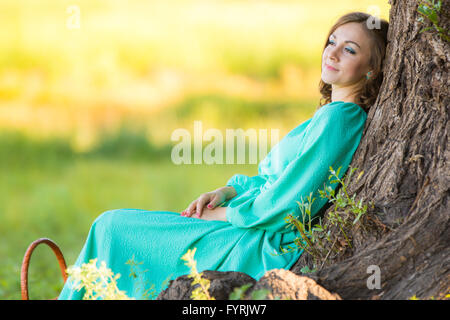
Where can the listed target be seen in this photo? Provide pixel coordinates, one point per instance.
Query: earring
(368, 75)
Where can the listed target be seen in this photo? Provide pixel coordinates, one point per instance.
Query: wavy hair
(368, 93)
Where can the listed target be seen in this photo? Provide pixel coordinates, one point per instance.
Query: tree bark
(404, 153)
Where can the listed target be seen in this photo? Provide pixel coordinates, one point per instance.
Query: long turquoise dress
(255, 228)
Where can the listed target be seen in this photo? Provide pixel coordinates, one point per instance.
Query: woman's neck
(345, 94)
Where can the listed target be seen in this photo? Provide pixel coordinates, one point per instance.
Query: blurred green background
(91, 91)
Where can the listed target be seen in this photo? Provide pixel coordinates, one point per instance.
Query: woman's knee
(106, 220)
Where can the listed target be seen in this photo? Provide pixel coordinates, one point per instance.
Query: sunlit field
(92, 91)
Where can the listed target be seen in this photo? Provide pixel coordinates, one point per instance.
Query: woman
(243, 233)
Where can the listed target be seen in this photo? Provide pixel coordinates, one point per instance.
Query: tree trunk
(404, 154)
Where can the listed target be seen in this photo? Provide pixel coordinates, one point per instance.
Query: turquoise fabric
(296, 166)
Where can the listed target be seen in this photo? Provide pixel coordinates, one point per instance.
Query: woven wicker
(26, 263)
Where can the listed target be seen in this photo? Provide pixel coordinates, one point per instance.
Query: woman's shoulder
(341, 110)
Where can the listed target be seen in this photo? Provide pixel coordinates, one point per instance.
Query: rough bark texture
(404, 153)
(286, 285)
(221, 285)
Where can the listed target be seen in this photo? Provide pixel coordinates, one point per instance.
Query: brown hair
(368, 93)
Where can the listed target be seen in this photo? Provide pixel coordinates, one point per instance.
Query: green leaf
(260, 294)
(238, 292)
(306, 269)
(338, 170)
(318, 227)
(427, 28)
(439, 29)
(423, 9)
(362, 172)
(433, 17)
(357, 218)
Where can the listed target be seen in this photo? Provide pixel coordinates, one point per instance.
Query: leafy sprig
(429, 10)
(98, 282)
(318, 239)
(201, 292)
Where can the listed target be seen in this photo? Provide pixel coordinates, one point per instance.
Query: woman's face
(348, 52)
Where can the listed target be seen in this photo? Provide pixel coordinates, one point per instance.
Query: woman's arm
(331, 140)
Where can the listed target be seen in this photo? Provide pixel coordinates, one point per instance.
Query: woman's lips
(330, 68)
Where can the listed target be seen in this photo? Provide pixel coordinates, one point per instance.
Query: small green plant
(306, 269)
(429, 10)
(343, 203)
(99, 283)
(308, 233)
(239, 293)
(201, 292)
(319, 239)
(136, 273)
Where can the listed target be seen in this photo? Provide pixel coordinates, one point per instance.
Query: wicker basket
(26, 263)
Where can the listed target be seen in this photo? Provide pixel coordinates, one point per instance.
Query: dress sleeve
(242, 183)
(331, 140)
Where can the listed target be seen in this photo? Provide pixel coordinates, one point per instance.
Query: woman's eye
(350, 50)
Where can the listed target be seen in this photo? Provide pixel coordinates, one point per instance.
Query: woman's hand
(218, 214)
(213, 200)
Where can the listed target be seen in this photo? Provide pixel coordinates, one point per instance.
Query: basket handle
(26, 263)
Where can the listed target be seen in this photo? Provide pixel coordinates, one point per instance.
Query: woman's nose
(333, 54)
